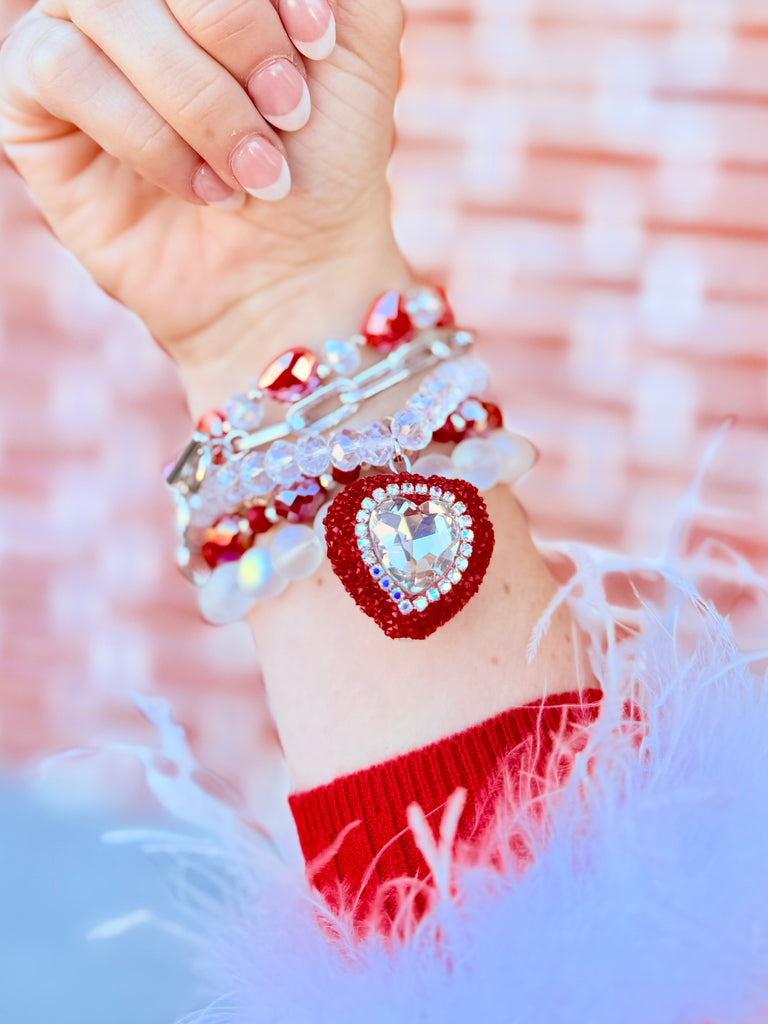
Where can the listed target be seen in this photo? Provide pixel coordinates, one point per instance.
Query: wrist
(326, 298)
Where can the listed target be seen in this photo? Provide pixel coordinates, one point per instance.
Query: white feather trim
(635, 892)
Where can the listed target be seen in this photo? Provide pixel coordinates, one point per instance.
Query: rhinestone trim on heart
(407, 549)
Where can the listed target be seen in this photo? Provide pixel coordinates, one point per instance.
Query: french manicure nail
(311, 26)
(209, 187)
(281, 95)
(261, 169)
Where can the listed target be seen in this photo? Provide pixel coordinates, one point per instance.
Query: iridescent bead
(410, 431)
(312, 454)
(478, 462)
(434, 465)
(427, 409)
(256, 479)
(280, 462)
(377, 445)
(427, 306)
(343, 356)
(344, 448)
(516, 454)
(257, 576)
(221, 598)
(291, 376)
(296, 552)
(244, 412)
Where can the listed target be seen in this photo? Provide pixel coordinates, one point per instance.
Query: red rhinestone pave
(347, 561)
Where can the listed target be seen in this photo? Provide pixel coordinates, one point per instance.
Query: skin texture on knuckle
(216, 21)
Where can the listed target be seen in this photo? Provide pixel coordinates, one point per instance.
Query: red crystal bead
(213, 423)
(452, 431)
(300, 502)
(491, 419)
(387, 324)
(232, 535)
(447, 319)
(342, 476)
(292, 376)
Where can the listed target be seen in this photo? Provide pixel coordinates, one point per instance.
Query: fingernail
(209, 187)
(281, 95)
(311, 26)
(261, 169)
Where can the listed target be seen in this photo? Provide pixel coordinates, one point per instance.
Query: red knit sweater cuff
(371, 804)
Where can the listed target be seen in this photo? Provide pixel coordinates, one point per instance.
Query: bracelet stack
(252, 496)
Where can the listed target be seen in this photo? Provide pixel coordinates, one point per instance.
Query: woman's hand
(132, 119)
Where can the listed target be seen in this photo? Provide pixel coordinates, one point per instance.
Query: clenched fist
(217, 165)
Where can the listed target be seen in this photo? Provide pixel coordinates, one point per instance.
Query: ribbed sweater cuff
(377, 797)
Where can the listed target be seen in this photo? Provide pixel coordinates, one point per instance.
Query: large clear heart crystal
(416, 541)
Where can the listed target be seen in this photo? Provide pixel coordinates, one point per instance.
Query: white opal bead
(221, 598)
(256, 479)
(257, 576)
(478, 462)
(312, 454)
(343, 356)
(377, 445)
(296, 552)
(344, 447)
(280, 462)
(410, 431)
(434, 465)
(516, 454)
(319, 523)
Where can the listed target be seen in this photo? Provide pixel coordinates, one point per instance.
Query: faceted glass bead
(376, 444)
(427, 306)
(244, 413)
(478, 462)
(416, 542)
(221, 599)
(345, 476)
(452, 431)
(232, 535)
(482, 417)
(343, 356)
(293, 375)
(280, 462)
(312, 454)
(427, 409)
(387, 324)
(410, 431)
(256, 479)
(296, 552)
(300, 501)
(214, 424)
(344, 447)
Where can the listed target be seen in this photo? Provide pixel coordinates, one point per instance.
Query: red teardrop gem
(293, 375)
(387, 324)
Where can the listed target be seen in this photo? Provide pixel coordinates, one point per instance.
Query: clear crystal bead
(312, 454)
(426, 408)
(256, 479)
(410, 431)
(281, 464)
(416, 542)
(244, 412)
(342, 355)
(425, 306)
(344, 448)
(377, 445)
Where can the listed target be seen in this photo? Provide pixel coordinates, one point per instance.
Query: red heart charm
(410, 550)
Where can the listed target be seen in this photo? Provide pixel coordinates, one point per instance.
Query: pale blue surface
(57, 881)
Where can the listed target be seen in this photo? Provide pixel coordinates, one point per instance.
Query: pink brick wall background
(590, 180)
